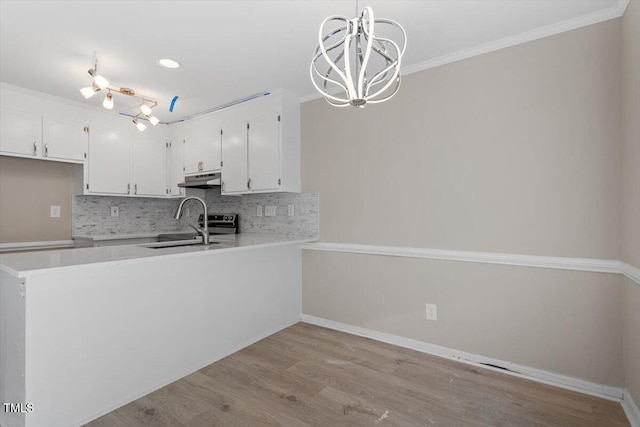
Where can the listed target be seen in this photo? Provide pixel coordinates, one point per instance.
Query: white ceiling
(231, 49)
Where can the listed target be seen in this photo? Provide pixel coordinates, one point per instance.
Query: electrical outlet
(187, 212)
(291, 210)
(259, 210)
(269, 211)
(54, 212)
(115, 211)
(432, 312)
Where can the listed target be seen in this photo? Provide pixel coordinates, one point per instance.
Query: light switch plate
(432, 312)
(115, 211)
(259, 210)
(291, 210)
(54, 212)
(269, 211)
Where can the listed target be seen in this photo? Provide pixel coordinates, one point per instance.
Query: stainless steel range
(218, 224)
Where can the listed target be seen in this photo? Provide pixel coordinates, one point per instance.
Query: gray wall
(27, 190)
(514, 151)
(631, 190)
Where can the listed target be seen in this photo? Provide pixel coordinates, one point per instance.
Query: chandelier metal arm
(351, 80)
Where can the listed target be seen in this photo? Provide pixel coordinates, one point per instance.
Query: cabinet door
(234, 158)
(264, 152)
(20, 132)
(109, 161)
(202, 146)
(175, 168)
(64, 139)
(149, 165)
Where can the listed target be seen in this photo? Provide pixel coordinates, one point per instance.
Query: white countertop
(101, 237)
(30, 263)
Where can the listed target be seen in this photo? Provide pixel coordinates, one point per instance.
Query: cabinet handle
(200, 165)
(46, 150)
(249, 183)
(128, 188)
(222, 185)
(135, 188)
(35, 148)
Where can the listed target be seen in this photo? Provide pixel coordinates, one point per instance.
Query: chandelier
(354, 65)
(99, 83)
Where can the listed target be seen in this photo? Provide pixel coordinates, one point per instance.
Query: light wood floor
(311, 376)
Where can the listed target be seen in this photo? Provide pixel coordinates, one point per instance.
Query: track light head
(153, 119)
(100, 81)
(108, 101)
(146, 110)
(141, 127)
(89, 91)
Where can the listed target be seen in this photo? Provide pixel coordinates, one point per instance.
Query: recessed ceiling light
(168, 63)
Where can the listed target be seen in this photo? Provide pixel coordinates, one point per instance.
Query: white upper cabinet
(64, 138)
(20, 133)
(234, 152)
(264, 157)
(126, 162)
(201, 138)
(41, 128)
(149, 163)
(264, 153)
(175, 168)
(109, 168)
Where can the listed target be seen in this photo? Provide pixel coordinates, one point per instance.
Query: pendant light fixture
(100, 83)
(355, 65)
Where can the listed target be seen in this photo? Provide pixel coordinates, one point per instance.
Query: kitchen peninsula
(85, 335)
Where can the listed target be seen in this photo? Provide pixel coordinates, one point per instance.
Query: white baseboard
(631, 409)
(539, 375)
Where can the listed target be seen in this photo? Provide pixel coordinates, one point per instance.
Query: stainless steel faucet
(204, 231)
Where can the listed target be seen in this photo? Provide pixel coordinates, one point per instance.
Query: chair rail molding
(563, 263)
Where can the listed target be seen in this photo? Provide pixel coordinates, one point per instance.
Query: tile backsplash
(304, 222)
(91, 215)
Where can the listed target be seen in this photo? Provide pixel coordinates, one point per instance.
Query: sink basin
(172, 237)
(164, 245)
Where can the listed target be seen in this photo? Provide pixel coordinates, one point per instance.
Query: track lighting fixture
(100, 83)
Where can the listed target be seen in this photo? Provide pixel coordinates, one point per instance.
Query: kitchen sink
(179, 243)
(172, 237)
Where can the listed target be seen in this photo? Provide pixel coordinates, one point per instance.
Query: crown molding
(612, 12)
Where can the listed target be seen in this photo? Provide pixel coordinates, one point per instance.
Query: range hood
(208, 180)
